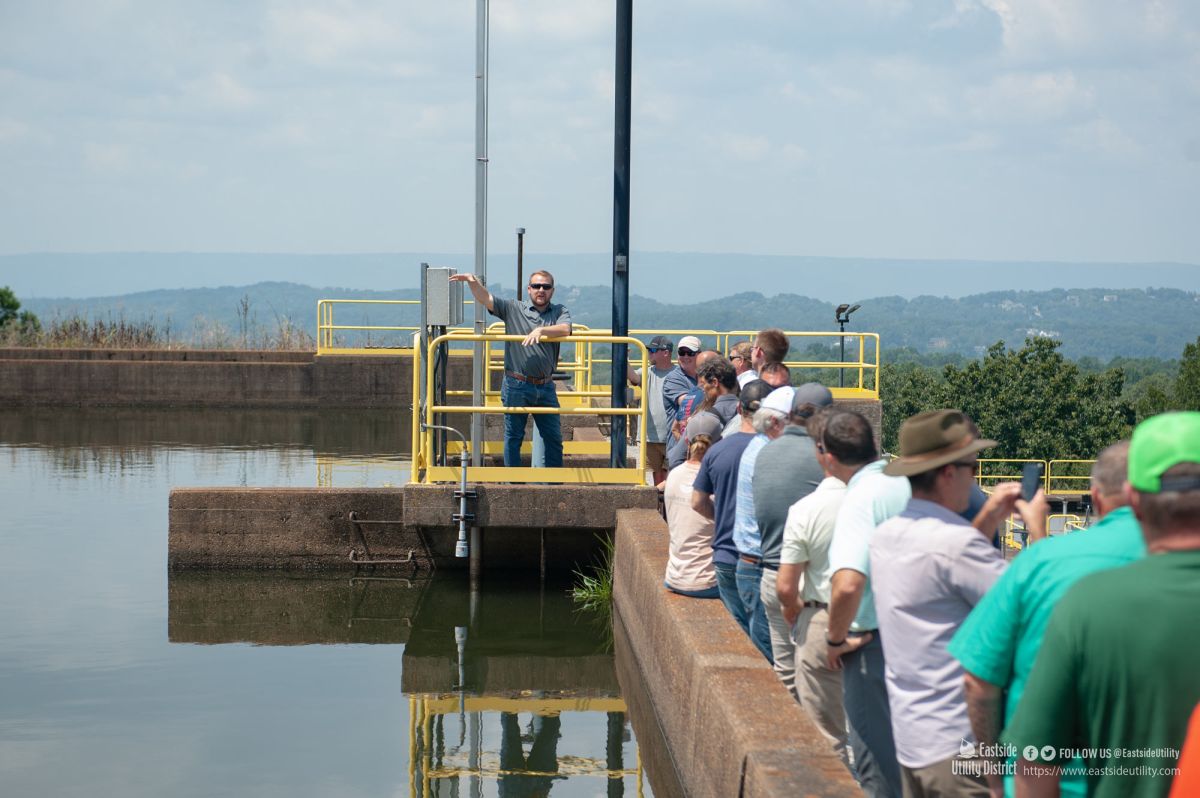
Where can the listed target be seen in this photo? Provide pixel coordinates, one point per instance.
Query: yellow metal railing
(329, 343)
(1003, 470)
(453, 764)
(426, 471)
(1063, 476)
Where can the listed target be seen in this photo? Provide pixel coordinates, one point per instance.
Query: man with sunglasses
(658, 428)
(528, 366)
(681, 381)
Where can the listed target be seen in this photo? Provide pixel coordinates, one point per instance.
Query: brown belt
(530, 380)
(750, 559)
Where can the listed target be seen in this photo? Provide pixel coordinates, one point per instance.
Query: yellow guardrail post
(416, 412)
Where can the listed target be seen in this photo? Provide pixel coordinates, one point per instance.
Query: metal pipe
(461, 548)
(479, 373)
(621, 158)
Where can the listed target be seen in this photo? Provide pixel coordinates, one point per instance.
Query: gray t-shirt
(786, 471)
(520, 318)
(657, 425)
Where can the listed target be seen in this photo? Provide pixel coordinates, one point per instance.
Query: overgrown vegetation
(594, 583)
(117, 332)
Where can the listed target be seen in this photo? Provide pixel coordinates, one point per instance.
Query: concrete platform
(310, 528)
(730, 726)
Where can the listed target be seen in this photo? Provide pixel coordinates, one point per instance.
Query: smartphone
(1031, 480)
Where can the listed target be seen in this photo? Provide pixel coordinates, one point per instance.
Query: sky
(1030, 130)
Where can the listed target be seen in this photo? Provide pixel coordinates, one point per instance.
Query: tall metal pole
(479, 375)
(520, 260)
(621, 140)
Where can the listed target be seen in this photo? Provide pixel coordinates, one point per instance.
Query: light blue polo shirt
(746, 536)
(872, 497)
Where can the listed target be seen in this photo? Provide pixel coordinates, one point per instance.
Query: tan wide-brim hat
(932, 440)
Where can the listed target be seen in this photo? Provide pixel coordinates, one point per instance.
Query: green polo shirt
(1000, 638)
(1117, 674)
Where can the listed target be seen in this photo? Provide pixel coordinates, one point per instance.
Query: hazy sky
(988, 129)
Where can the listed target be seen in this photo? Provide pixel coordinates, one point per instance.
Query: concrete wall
(308, 528)
(729, 725)
(203, 378)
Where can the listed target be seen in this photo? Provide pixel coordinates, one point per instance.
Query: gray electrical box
(443, 299)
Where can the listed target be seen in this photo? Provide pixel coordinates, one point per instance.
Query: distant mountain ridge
(1097, 322)
(675, 277)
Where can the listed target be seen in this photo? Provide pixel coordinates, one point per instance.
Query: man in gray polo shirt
(785, 471)
(528, 366)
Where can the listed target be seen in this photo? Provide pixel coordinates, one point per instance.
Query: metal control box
(443, 299)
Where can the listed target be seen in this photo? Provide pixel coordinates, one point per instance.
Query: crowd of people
(879, 592)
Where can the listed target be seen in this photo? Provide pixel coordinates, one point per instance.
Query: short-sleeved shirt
(690, 560)
(718, 477)
(1000, 638)
(807, 534)
(1117, 673)
(929, 568)
(872, 497)
(521, 318)
(745, 527)
(786, 471)
(675, 384)
(657, 425)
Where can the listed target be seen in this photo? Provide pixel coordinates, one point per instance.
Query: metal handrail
(423, 469)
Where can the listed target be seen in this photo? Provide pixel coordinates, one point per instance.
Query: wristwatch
(834, 643)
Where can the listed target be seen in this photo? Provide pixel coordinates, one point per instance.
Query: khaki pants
(819, 687)
(940, 781)
(782, 648)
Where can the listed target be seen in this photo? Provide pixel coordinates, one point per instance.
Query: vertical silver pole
(481, 163)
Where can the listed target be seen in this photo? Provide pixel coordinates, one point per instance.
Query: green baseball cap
(1158, 444)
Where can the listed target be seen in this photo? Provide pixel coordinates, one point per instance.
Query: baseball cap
(753, 394)
(704, 423)
(1158, 444)
(780, 400)
(812, 393)
(660, 342)
(690, 342)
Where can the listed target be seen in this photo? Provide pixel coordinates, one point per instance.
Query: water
(117, 678)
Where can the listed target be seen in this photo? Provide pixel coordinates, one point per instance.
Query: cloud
(1022, 97)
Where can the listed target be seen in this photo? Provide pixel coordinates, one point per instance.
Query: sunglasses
(686, 353)
(542, 286)
(653, 349)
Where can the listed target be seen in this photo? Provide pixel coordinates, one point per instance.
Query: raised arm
(478, 290)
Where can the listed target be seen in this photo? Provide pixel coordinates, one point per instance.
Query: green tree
(906, 389)
(1036, 404)
(9, 305)
(1187, 384)
(24, 324)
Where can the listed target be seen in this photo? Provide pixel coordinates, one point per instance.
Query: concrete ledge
(280, 527)
(523, 526)
(730, 726)
(551, 506)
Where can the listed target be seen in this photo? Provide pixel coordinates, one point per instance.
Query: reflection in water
(120, 678)
(512, 690)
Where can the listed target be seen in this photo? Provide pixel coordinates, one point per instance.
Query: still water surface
(117, 678)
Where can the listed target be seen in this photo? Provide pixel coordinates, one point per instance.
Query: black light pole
(520, 259)
(842, 314)
(620, 314)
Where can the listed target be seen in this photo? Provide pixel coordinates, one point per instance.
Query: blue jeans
(749, 587)
(514, 393)
(869, 717)
(727, 585)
